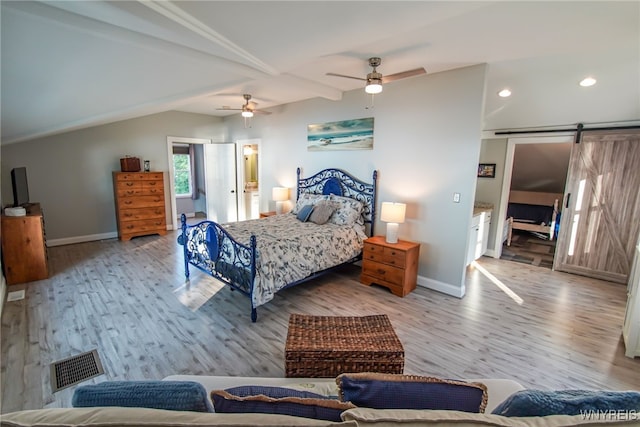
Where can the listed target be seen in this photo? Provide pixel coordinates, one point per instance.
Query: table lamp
(392, 214)
(280, 195)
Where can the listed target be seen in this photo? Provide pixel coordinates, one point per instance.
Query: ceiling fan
(248, 109)
(375, 79)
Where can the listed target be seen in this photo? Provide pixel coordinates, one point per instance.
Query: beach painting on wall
(356, 134)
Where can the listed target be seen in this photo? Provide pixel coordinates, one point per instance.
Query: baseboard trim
(445, 288)
(491, 253)
(81, 239)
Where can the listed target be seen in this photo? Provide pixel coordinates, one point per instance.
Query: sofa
(497, 391)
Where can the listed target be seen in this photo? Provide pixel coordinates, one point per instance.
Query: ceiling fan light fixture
(374, 86)
(504, 93)
(247, 114)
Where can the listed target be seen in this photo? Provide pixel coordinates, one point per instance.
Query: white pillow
(308, 199)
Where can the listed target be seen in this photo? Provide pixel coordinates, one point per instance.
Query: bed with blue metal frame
(211, 248)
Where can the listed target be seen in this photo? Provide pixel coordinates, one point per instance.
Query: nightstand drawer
(383, 272)
(394, 257)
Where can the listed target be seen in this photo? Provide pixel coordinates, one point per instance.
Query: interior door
(221, 185)
(599, 222)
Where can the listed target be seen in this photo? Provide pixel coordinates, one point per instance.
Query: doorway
(535, 171)
(213, 173)
(249, 178)
(538, 178)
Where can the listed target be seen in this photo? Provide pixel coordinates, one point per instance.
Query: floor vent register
(73, 370)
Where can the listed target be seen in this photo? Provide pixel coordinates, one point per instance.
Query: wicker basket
(327, 346)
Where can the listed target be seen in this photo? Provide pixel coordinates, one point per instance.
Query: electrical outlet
(456, 197)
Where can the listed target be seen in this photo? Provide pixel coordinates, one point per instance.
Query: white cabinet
(631, 327)
(478, 235)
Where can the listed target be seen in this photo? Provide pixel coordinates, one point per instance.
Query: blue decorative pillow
(389, 391)
(171, 395)
(304, 213)
(278, 400)
(538, 403)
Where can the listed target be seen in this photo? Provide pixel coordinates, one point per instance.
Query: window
(182, 175)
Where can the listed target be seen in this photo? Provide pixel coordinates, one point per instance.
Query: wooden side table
(392, 265)
(266, 214)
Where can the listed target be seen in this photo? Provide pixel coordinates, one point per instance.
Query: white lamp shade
(280, 194)
(393, 212)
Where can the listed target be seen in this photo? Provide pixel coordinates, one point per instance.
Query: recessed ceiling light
(504, 93)
(588, 81)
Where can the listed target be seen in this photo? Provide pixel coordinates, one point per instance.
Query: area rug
(529, 248)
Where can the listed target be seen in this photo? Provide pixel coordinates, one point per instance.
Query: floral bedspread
(289, 250)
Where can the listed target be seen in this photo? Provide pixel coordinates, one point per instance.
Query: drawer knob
(381, 271)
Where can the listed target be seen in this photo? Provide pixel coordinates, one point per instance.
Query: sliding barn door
(221, 187)
(601, 216)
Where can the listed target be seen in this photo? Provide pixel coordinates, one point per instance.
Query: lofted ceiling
(73, 64)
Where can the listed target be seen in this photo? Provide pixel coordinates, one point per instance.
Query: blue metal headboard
(341, 183)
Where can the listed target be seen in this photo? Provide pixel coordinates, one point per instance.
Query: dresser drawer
(139, 176)
(142, 213)
(142, 225)
(383, 272)
(129, 192)
(128, 185)
(141, 201)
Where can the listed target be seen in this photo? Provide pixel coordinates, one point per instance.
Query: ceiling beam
(174, 13)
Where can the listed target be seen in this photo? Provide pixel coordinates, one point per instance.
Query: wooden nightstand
(392, 265)
(266, 214)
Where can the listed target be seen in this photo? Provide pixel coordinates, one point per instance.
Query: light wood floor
(127, 300)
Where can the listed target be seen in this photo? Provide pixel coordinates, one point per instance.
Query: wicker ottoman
(327, 346)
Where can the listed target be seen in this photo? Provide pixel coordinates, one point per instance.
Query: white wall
(427, 134)
(70, 174)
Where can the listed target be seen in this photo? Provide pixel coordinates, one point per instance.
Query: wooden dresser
(139, 198)
(24, 250)
(392, 265)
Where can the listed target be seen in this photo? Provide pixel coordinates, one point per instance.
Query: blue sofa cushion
(386, 391)
(171, 395)
(538, 403)
(278, 400)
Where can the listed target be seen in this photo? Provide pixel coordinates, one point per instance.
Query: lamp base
(279, 208)
(392, 232)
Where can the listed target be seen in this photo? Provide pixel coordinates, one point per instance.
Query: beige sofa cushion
(130, 417)
(422, 418)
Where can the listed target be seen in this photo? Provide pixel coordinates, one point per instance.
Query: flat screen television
(20, 187)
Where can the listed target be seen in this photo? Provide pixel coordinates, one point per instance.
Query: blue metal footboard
(210, 248)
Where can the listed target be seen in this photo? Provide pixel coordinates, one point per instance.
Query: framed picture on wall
(487, 170)
(355, 134)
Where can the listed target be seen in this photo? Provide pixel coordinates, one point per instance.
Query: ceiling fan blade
(262, 112)
(224, 107)
(403, 75)
(347, 77)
